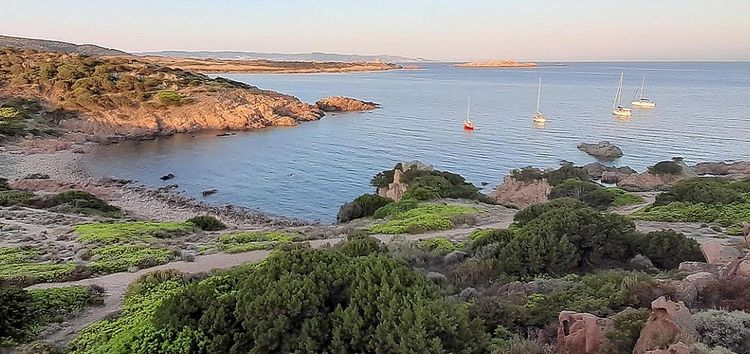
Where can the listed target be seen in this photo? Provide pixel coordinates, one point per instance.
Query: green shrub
(627, 329)
(622, 197)
(245, 241)
(14, 197)
(526, 174)
(9, 113)
(427, 217)
(330, 303)
(357, 245)
(168, 98)
(701, 190)
(135, 230)
(724, 214)
(396, 208)
(565, 172)
(362, 206)
(207, 223)
(441, 245)
(16, 310)
(118, 258)
(533, 211)
(665, 168)
(666, 249)
(18, 265)
(57, 304)
(84, 203)
(723, 328)
(4, 184)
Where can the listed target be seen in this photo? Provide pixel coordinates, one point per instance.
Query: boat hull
(621, 113)
(642, 104)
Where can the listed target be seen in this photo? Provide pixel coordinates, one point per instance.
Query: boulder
(738, 169)
(521, 194)
(436, 277)
(37, 176)
(582, 333)
(747, 234)
(597, 171)
(603, 150)
(739, 267)
(646, 181)
(717, 253)
(468, 294)
(455, 257)
(208, 192)
(344, 104)
(395, 190)
(670, 322)
(698, 267)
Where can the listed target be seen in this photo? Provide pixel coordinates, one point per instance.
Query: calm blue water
(308, 171)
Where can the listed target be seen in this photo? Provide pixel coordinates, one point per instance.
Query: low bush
(565, 172)
(665, 168)
(168, 97)
(729, 294)
(702, 190)
(727, 215)
(357, 245)
(83, 203)
(593, 194)
(4, 184)
(118, 258)
(57, 304)
(441, 245)
(207, 223)
(533, 211)
(16, 311)
(723, 328)
(622, 197)
(362, 206)
(245, 241)
(627, 326)
(427, 217)
(19, 266)
(666, 249)
(106, 233)
(14, 197)
(395, 208)
(526, 174)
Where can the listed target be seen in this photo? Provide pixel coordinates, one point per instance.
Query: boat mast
(643, 82)
(468, 108)
(618, 95)
(538, 94)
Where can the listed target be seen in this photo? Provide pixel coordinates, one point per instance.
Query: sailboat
(617, 109)
(538, 116)
(468, 124)
(642, 102)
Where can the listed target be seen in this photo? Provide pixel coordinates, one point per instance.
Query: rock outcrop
(736, 169)
(345, 104)
(647, 181)
(521, 194)
(582, 333)
(677, 348)
(717, 253)
(395, 190)
(670, 322)
(607, 174)
(603, 150)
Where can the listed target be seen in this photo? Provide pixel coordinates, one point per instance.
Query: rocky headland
(267, 66)
(345, 104)
(496, 64)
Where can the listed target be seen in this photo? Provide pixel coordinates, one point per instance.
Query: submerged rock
(166, 177)
(603, 150)
(208, 192)
(345, 104)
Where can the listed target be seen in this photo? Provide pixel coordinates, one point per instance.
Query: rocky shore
(345, 104)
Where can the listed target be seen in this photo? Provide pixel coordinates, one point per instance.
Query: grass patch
(440, 244)
(426, 217)
(18, 266)
(57, 304)
(13, 197)
(107, 233)
(622, 197)
(395, 208)
(245, 241)
(113, 259)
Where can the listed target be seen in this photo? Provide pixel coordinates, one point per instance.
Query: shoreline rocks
(345, 104)
(740, 169)
(521, 194)
(603, 150)
(652, 181)
(608, 174)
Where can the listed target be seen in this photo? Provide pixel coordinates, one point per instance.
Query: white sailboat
(617, 109)
(538, 116)
(468, 124)
(642, 102)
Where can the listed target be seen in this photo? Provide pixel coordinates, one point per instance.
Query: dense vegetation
(76, 81)
(593, 194)
(707, 200)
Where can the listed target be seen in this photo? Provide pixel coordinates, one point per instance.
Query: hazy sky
(436, 29)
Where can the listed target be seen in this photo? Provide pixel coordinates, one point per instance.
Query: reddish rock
(739, 268)
(677, 348)
(747, 234)
(716, 252)
(521, 194)
(698, 267)
(644, 182)
(669, 323)
(395, 190)
(345, 104)
(582, 333)
(738, 169)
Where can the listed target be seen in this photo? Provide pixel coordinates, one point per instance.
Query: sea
(702, 113)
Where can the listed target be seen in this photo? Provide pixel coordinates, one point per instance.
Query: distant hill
(56, 46)
(329, 57)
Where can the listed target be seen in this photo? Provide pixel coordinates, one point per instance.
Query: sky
(541, 30)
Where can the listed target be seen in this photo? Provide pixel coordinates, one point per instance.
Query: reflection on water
(310, 170)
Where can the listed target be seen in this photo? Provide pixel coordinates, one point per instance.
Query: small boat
(538, 116)
(617, 109)
(642, 102)
(468, 124)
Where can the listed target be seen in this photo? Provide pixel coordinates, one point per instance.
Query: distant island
(314, 56)
(267, 66)
(496, 64)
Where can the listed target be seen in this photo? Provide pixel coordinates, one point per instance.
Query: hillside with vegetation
(124, 96)
(56, 46)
